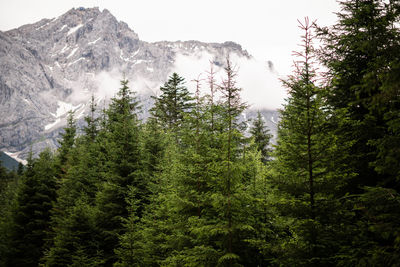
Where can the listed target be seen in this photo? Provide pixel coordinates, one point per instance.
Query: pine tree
(233, 108)
(91, 130)
(76, 240)
(145, 242)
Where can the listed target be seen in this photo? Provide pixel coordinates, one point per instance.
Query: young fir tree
(145, 243)
(31, 218)
(133, 250)
(262, 137)
(171, 105)
(170, 229)
(211, 195)
(76, 240)
(66, 143)
(307, 175)
(92, 128)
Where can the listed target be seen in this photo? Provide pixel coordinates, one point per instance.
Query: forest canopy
(194, 185)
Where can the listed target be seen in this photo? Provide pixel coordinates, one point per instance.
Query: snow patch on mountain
(72, 52)
(63, 27)
(64, 108)
(74, 29)
(94, 42)
(51, 125)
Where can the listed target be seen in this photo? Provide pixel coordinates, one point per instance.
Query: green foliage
(66, 142)
(375, 236)
(174, 101)
(32, 212)
(261, 137)
(76, 239)
(8, 191)
(122, 167)
(188, 187)
(359, 52)
(307, 165)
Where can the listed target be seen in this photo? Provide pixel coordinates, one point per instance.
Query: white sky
(267, 29)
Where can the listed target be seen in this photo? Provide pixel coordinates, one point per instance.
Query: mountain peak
(55, 65)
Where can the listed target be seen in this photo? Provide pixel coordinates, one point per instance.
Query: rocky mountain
(55, 65)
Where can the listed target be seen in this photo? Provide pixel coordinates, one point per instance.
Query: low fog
(261, 87)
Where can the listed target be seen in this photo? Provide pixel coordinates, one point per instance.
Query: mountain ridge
(54, 65)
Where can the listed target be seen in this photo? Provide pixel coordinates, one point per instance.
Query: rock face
(55, 65)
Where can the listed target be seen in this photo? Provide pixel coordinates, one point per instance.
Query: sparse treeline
(190, 186)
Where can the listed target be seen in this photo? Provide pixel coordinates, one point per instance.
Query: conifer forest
(192, 185)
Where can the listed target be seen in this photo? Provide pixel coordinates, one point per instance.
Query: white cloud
(261, 87)
(107, 84)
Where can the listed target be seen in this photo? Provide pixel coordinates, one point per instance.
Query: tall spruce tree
(358, 52)
(307, 175)
(73, 215)
(174, 101)
(67, 141)
(262, 137)
(122, 166)
(8, 189)
(31, 218)
(361, 53)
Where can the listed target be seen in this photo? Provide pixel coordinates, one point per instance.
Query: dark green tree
(361, 52)
(8, 189)
(307, 174)
(262, 137)
(358, 52)
(76, 242)
(122, 168)
(66, 142)
(31, 218)
(76, 198)
(92, 127)
(170, 107)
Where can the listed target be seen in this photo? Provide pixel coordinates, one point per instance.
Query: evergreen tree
(31, 219)
(66, 143)
(76, 240)
(76, 198)
(261, 137)
(358, 52)
(8, 188)
(171, 105)
(91, 129)
(307, 173)
(361, 55)
(122, 168)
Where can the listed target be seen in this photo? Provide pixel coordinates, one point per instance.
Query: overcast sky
(267, 29)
